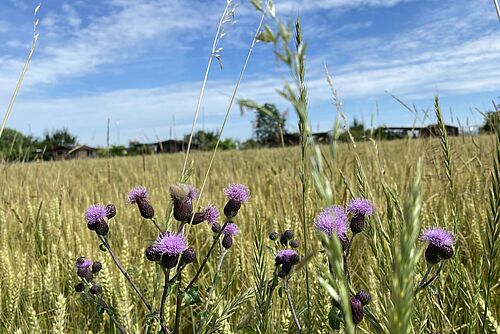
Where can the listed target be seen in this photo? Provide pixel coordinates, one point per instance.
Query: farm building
(63, 152)
(431, 130)
(165, 146)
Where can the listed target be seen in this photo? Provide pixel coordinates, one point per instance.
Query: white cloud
(301, 6)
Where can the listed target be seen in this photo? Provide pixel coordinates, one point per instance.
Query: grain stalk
(406, 256)
(492, 234)
(25, 68)
(215, 52)
(447, 158)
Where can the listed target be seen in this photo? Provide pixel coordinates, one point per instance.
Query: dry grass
(42, 231)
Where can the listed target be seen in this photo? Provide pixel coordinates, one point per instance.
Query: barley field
(43, 231)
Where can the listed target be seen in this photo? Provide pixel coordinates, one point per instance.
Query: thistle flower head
(332, 219)
(231, 229)
(360, 206)
(171, 244)
(211, 214)
(138, 194)
(83, 263)
(438, 237)
(286, 256)
(237, 192)
(181, 192)
(95, 213)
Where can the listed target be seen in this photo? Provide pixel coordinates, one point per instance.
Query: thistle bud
(231, 208)
(273, 236)
(145, 208)
(79, 287)
(432, 254)
(446, 252)
(357, 310)
(357, 223)
(227, 241)
(216, 228)
(364, 297)
(95, 289)
(152, 254)
(96, 267)
(288, 234)
(294, 259)
(101, 228)
(199, 217)
(283, 240)
(110, 211)
(189, 255)
(294, 244)
(169, 261)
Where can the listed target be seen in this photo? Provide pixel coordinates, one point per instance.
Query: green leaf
(192, 296)
(334, 318)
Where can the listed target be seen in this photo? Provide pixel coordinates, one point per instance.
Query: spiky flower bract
(171, 244)
(95, 214)
(138, 194)
(237, 192)
(360, 206)
(331, 220)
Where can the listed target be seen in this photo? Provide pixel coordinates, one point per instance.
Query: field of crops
(43, 231)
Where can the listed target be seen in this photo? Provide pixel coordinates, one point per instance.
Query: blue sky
(141, 63)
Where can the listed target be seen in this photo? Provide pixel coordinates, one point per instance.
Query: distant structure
(65, 152)
(431, 130)
(165, 146)
(291, 139)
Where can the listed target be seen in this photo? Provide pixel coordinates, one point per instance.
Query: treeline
(16, 146)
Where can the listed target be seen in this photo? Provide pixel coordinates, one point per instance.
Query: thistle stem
(163, 300)
(290, 303)
(346, 259)
(124, 272)
(153, 220)
(178, 303)
(425, 282)
(205, 260)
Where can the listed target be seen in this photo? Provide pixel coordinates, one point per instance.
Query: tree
(269, 123)
(14, 145)
(492, 121)
(61, 137)
(206, 141)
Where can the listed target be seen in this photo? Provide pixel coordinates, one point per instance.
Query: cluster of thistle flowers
(285, 258)
(169, 247)
(96, 216)
(339, 220)
(87, 271)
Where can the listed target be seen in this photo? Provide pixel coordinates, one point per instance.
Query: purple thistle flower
(192, 193)
(237, 192)
(285, 255)
(171, 244)
(138, 194)
(211, 214)
(360, 206)
(83, 263)
(95, 214)
(231, 229)
(438, 237)
(332, 219)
